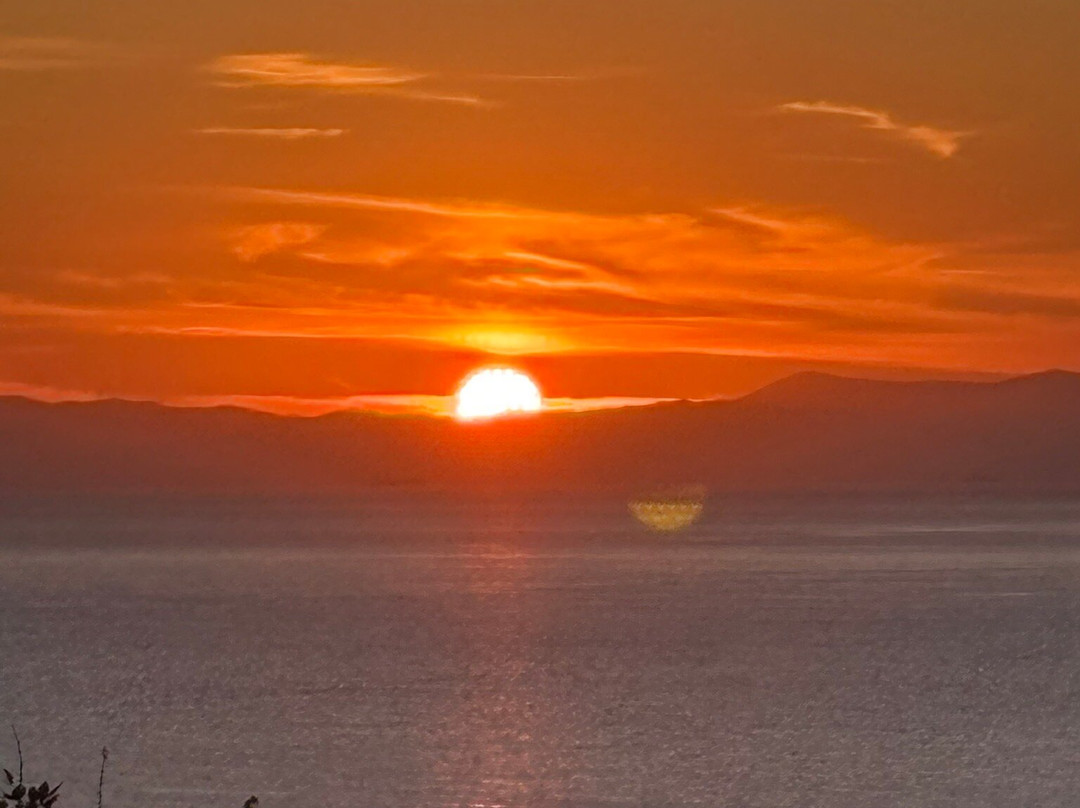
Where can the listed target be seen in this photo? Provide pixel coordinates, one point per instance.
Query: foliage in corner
(16, 794)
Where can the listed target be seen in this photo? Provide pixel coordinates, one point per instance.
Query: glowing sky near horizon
(311, 202)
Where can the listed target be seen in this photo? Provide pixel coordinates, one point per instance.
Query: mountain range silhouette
(810, 432)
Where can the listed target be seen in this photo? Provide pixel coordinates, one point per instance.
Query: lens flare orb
(672, 511)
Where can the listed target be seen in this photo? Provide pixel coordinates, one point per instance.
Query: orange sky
(319, 201)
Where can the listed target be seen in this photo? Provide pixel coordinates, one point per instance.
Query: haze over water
(782, 652)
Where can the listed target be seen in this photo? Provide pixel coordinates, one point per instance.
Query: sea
(397, 651)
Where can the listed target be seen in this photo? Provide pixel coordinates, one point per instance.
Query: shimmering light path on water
(841, 656)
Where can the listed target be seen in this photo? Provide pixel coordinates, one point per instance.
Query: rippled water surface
(395, 654)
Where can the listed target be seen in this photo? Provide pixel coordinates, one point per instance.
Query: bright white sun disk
(497, 391)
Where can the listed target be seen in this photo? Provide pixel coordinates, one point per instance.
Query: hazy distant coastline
(809, 432)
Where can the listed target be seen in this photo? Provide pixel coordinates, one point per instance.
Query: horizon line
(440, 406)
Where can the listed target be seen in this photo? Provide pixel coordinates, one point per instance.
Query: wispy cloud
(464, 99)
(832, 158)
(747, 278)
(732, 265)
(48, 53)
(303, 70)
(252, 243)
(290, 133)
(331, 199)
(538, 78)
(778, 224)
(942, 142)
(568, 77)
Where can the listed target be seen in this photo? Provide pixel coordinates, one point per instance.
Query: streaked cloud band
(300, 70)
(289, 133)
(942, 142)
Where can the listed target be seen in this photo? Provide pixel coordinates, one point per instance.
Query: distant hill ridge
(808, 432)
(810, 387)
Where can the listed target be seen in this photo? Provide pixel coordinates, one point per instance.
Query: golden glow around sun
(492, 392)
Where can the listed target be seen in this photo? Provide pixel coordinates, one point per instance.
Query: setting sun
(497, 391)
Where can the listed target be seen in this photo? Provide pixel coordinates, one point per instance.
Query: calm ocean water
(410, 655)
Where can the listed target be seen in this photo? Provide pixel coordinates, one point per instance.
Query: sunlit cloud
(942, 142)
(561, 76)
(331, 199)
(13, 305)
(749, 274)
(252, 243)
(463, 99)
(745, 278)
(767, 268)
(542, 78)
(293, 133)
(776, 223)
(302, 70)
(31, 54)
(112, 282)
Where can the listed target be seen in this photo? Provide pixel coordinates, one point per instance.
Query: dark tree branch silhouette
(15, 793)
